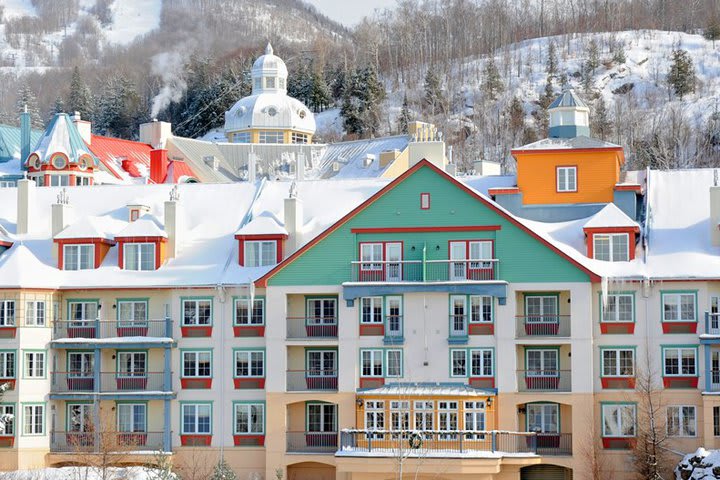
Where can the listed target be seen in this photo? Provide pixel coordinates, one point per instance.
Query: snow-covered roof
(269, 64)
(91, 227)
(61, 136)
(567, 144)
(270, 110)
(568, 99)
(145, 226)
(350, 156)
(427, 389)
(264, 225)
(611, 216)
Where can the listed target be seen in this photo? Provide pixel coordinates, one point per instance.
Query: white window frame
(130, 315)
(33, 419)
(271, 136)
(606, 413)
(7, 313)
(254, 318)
(616, 353)
(483, 352)
(681, 368)
(678, 305)
(34, 364)
(546, 412)
(562, 177)
(138, 364)
(613, 316)
(80, 421)
(328, 307)
(83, 310)
(613, 254)
(388, 373)
(142, 263)
(448, 417)
(481, 309)
(197, 415)
(249, 409)
(9, 425)
(474, 416)
(35, 313)
(686, 423)
(376, 360)
(424, 414)
(375, 415)
(249, 357)
(257, 258)
(400, 415)
(88, 254)
(195, 356)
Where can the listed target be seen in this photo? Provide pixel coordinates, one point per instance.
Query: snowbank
(701, 464)
(82, 473)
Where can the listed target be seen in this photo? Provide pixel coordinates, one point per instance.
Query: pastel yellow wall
(597, 174)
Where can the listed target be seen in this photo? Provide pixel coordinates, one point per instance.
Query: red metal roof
(112, 151)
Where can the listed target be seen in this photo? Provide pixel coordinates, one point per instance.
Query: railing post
(369, 439)
(493, 442)
(97, 328)
(535, 443)
(168, 327)
(462, 443)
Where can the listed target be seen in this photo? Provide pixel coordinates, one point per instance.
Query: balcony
(713, 381)
(70, 330)
(425, 271)
(312, 380)
(452, 443)
(534, 326)
(712, 323)
(110, 382)
(543, 380)
(312, 328)
(312, 442)
(104, 442)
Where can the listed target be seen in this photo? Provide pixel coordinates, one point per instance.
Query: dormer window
(139, 256)
(567, 179)
(79, 257)
(260, 253)
(611, 247)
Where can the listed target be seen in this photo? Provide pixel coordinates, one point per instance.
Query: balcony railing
(312, 442)
(544, 380)
(712, 323)
(714, 385)
(425, 271)
(312, 327)
(106, 442)
(75, 382)
(543, 326)
(312, 380)
(451, 443)
(106, 329)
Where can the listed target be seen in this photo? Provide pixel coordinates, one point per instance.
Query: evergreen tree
(58, 107)
(27, 99)
(602, 124)
(586, 77)
(681, 76)
(222, 471)
(516, 115)
(80, 98)
(619, 54)
(364, 94)
(320, 98)
(433, 101)
(492, 83)
(405, 117)
(551, 65)
(119, 109)
(548, 94)
(712, 30)
(593, 61)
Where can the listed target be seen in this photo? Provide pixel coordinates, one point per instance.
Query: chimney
(25, 201)
(59, 217)
(155, 133)
(293, 223)
(715, 215)
(158, 165)
(173, 223)
(300, 170)
(84, 128)
(24, 138)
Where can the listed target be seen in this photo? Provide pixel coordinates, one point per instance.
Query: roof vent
(336, 166)
(212, 162)
(369, 159)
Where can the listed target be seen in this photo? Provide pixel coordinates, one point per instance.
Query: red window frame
(371, 275)
(423, 196)
(474, 273)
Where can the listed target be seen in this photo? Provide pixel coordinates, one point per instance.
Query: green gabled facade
(523, 257)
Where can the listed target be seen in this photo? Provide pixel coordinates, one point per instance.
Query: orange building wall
(597, 173)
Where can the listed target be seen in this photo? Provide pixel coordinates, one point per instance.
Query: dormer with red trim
(82, 245)
(611, 235)
(261, 242)
(141, 244)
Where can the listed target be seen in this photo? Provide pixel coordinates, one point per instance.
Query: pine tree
(320, 98)
(433, 101)
(516, 115)
(119, 109)
(619, 54)
(593, 61)
(222, 471)
(681, 76)
(548, 94)
(492, 83)
(58, 107)
(80, 98)
(586, 77)
(362, 102)
(405, 118)
(551, 65)
(602, 124)
(27, 99)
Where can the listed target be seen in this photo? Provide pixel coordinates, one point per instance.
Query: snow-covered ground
(701, 464)
(18, 8)
(81, 473)
(132, 19)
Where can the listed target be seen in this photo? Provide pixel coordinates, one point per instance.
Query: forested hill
(483, 70)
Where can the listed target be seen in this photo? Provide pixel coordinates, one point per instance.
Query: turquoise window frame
(527, 295)
(67, 357)
(382, 303)
(25, 376)
(602, 419)
(321, 349)
(197, 298)
(468, 362)
(630, 293)
(70, 301)
(44, 423)
(308, 298)
(542, 347)
(559, 414)
(145, 300)
(384, 354)
(70, 403)
(249, 402)
(183, 403)
(131, 402)
(307, 414)
(615, 348)
(134, 350)
(16, 364)
(201, 350)
(237, 299)
(686, 346)
(249, 349)
(14, 420)
(663, 293)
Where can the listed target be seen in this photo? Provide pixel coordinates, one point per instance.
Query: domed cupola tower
(569, 116)
(269, 115)
(61, 157)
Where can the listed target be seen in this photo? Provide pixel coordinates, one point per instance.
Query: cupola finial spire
(268, 49)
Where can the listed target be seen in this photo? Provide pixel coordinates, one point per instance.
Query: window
(470, 260)
(249, 419)
(375, 415)
(618, 363)
(321, 311)
(371, 310)
(197, 312)
(542, 363)
(618, 420)
(400, 415)
(79, 418)
(131, 312)
(132, 417)
(679, 307)
(81, 364)
(7, 313)
(78, 257)
(242, 137)
(197, 364)
(393, 363)
(681, 421)
(481, 363)
(139, 256)
(260, 253)
(611, 247)
(394, 317)
(371, 255)
(542, 417)
(567, 179)
(245, 317)
(269, 136)
(474, 417)
(541, 308)
(716, 421)
(298, 137)
(618, 308)
(250, 363)
(425, 201)
(321, 417)
(132, 364)
(196, 418)
(81, 312)
(458, 316)
(35, 314)
(458, 363)
(59, 180)
(33, 419)
(448, 417)
(269, 82)
(281, 84)
(424, 413)
(322, 363)
(34, 363)
(7, 418)
(680, 362)
(480, 308)
(7, 365)
(381, 363)
(82, 181)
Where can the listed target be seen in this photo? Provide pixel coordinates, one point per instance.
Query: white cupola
(269, 73)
